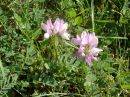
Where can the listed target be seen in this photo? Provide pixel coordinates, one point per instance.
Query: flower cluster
(87, 43)
(58, 27)
(87, 46)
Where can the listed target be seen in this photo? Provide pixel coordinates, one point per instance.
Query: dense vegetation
(33, 66)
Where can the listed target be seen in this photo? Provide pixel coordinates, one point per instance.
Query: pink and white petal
(83, 54)
(57, 25)
(94, 42)
(95, 51)
(89, 59)
(49, 31)
(61, 22)
(46, 35)
(93, 34)
(65, 35)
(63, 28)
(44, 27)
(49, 24)
(82, 48)
(84, 42)
(76, 41)
(94, 58)
(85, 38)
(83, 34)
(79, 54)
(57, 20)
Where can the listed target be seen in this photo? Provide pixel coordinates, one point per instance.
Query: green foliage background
(32, 66)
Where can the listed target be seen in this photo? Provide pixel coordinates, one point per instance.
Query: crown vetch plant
(87, 46)
(87, 42)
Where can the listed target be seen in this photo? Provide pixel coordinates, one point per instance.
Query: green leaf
(2, 69)
(18, 18)
(24, 83)
(124, 74)
(78, 20)
(36, 34)
(43, 43)
(90, 79)
(105, 21)
(127, 86)
(1, 11)
(71, 13)
(31, 50)
(46, 66)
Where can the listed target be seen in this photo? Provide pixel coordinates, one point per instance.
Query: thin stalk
(54, 94)
(112, 37)
(92, 14)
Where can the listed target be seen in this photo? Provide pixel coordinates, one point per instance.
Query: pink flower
(83, 40)
(48, 28)
(87, 46)
(59, 27)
